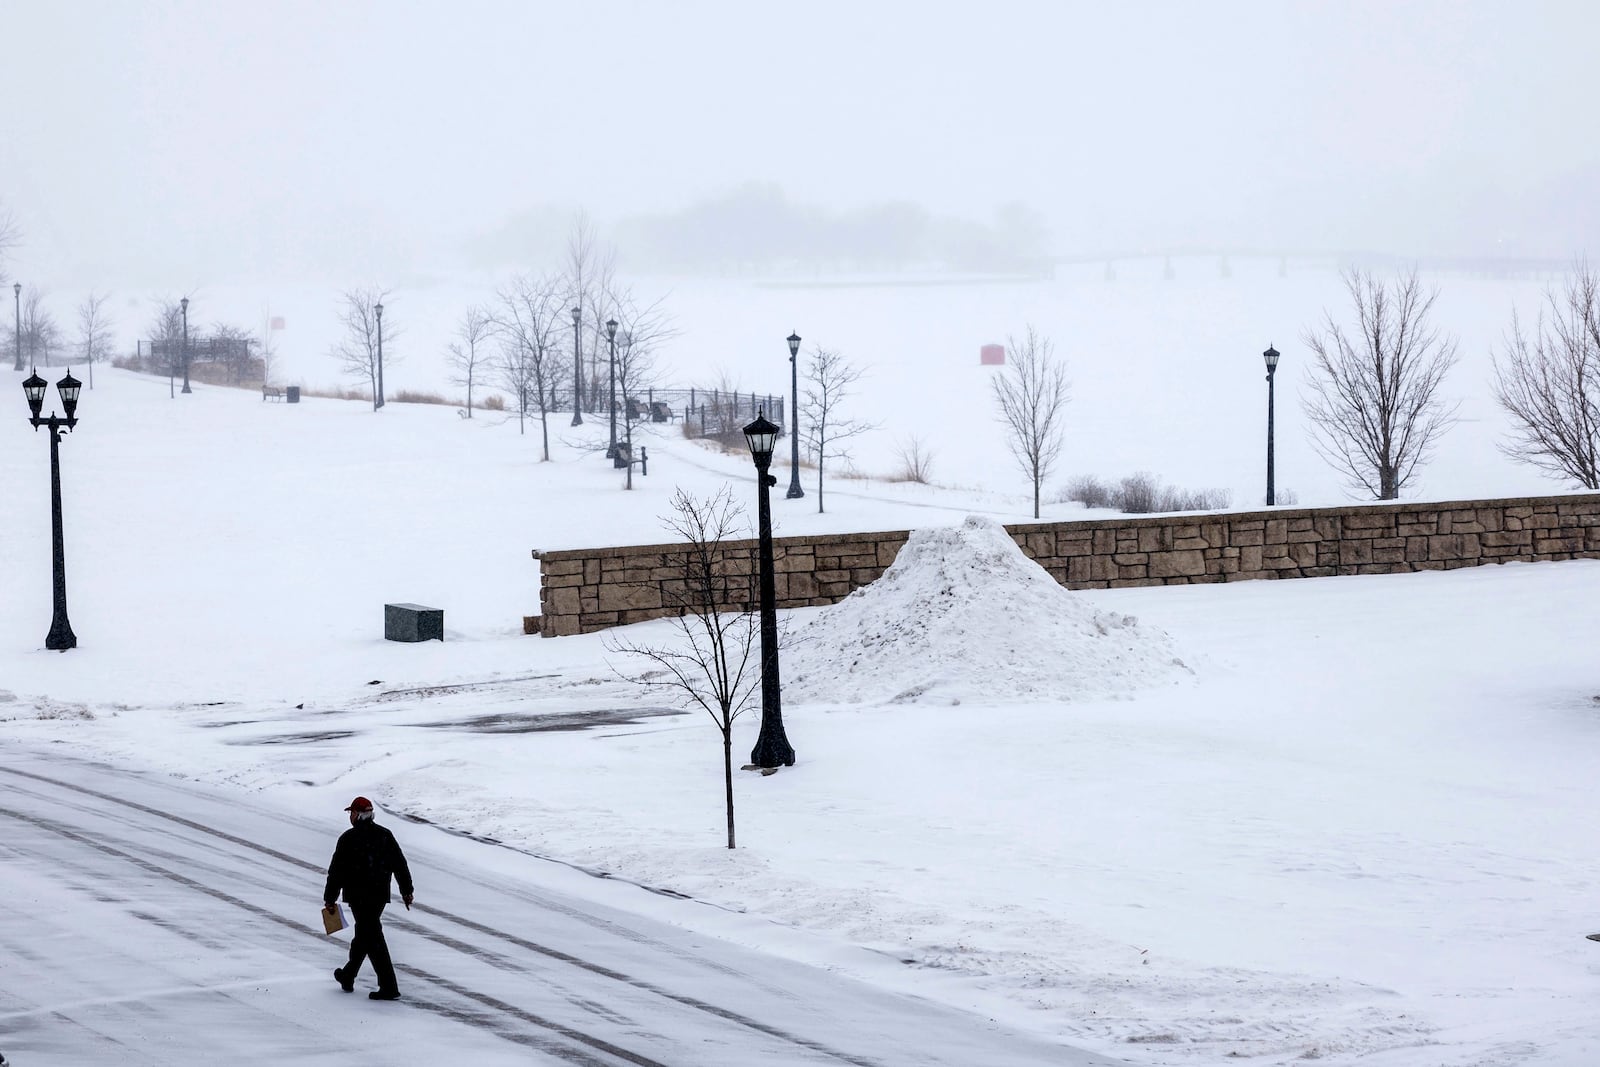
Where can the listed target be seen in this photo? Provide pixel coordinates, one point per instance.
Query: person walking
(363, 861)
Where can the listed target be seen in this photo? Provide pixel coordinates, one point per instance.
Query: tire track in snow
(715, 1010)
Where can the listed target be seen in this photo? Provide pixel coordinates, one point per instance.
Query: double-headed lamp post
(61, 636)
(1271, 356)
(185, 303)
(611, 337)
(377, 401)
(577, 367)
(772, 747)
(794, 419)
(16, 291)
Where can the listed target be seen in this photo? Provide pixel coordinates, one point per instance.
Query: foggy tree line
(756, 228)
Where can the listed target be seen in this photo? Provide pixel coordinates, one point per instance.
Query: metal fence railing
(714, 412)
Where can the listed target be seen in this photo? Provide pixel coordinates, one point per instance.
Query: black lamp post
(577, 368)
(17, 292)
(377, 401)
(61, 636)
(794, 420)
(772, 747)
(185, 303)
(611, 336)
(1271, 356)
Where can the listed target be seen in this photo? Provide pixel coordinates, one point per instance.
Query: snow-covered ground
(1167, 375)
(1354, 826)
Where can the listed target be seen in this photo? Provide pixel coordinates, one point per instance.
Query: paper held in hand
(333, 919)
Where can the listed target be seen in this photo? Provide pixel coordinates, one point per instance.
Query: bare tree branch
(533, 364)
(467, 351)
(1033, 392)
(269, 345)
(1549, 383)
(41, 335)
(357, 351)
(828, 378)
(10, 238)
(643, 329)
(1374, 402)
(714, 665)
(590, 266)
(95, 338)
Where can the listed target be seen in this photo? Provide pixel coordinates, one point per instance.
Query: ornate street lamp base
(61, 636)
(794, 493)
(772, 752)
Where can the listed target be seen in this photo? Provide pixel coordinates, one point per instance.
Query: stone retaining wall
(584, 590)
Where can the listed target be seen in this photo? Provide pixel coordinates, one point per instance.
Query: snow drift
(963, 614)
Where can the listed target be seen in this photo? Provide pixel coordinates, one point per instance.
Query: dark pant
(368, 941)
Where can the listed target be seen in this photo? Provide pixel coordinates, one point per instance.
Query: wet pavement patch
(530, 723)
(297, 739)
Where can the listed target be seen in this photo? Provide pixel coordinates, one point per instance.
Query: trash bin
(292, 394)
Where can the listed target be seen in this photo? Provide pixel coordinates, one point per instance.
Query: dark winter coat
(367, 854)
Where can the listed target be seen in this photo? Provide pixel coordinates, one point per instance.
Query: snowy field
(1351, 824)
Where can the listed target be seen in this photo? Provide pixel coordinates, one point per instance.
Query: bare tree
(1033, 392)
(41, 335)
(166, 337)
(230, 346)
(95, 339)
(10, 237)
(358, 351)
(916, 460)
(588, 270)
(1374, 402)
(469, 348)
(642, 331)
(715, 665)
(269, 343)
(1549, 383)
(828, 378)
(532, 360)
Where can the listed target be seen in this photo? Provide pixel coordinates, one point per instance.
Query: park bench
(271, 392)
(660, 412)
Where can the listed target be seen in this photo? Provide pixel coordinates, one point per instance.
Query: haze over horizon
(175, 143)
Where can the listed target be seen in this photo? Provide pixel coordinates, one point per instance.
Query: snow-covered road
(152, 921)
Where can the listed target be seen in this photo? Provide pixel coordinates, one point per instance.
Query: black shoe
(384, 994)
(346, 984)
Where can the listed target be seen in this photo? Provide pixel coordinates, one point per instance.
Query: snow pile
(963, 615)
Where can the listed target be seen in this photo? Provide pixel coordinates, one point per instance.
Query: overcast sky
(170, 143)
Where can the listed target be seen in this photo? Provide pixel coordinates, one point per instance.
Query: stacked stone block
(586, 590)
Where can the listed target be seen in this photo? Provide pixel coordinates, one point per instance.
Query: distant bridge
(1480, 266)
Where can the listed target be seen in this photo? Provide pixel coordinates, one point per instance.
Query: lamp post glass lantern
(185, 304)
(772, 747)
(1271, 357)
(611, 338)
(577, 367)
(61, 636)
(795, 492)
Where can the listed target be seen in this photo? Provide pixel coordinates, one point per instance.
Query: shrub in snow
(1143, 494)
(963, 615)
